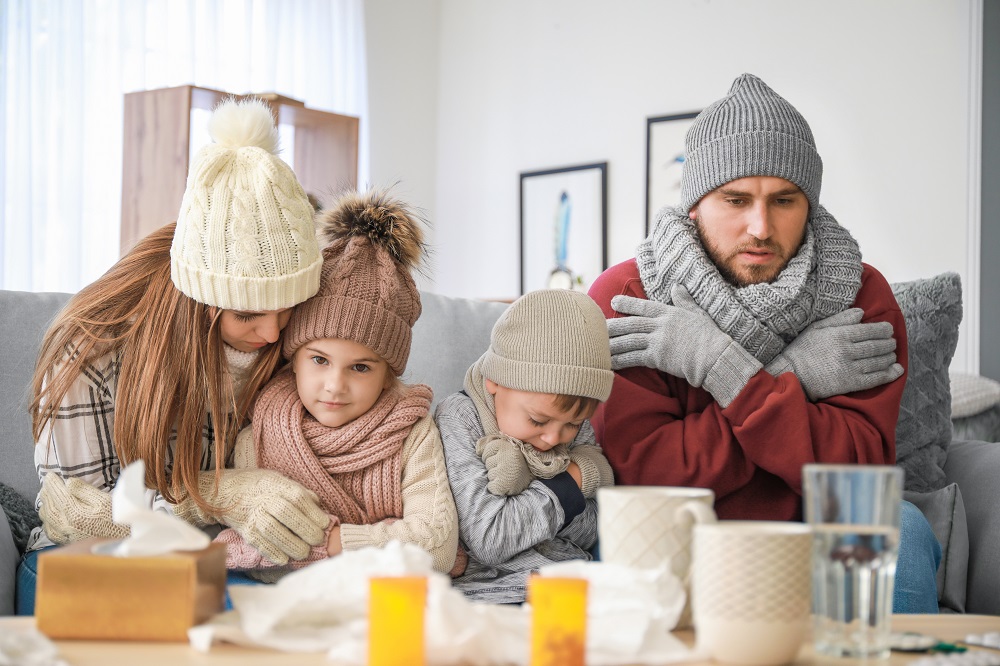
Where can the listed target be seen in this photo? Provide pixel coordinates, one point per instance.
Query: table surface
(100, 653)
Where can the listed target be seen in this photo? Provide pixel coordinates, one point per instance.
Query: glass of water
(854, 513)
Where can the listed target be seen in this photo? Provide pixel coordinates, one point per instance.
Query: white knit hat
(245, 238)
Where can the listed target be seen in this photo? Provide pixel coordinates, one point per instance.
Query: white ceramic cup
(649, 526)
(751, 590)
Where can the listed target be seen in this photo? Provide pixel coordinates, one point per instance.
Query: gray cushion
(972, 394)
(945, 512)
(9, 558)
(20, 513)
(448, 338)
(932, 309)
(975, 467)
(26, 316)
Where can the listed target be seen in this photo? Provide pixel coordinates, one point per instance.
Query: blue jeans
(915, 589)
(27, 577)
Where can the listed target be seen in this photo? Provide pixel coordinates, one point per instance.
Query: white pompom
(246, 122)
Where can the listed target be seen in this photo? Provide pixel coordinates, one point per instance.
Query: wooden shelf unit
(157, 145)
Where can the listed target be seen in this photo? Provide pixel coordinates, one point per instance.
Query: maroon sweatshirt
(656, 429)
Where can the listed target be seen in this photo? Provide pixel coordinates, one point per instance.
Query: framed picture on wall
(664, 161)
(564, 226)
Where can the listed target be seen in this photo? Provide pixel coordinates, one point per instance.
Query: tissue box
(81, 594)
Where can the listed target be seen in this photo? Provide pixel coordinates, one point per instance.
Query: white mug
(649, 526)
(751, 590)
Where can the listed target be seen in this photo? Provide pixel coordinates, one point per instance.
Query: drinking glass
(854, 511)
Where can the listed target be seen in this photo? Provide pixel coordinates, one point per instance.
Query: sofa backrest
(449, 336)
(26, 316)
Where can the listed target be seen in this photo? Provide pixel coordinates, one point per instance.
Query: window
(64, 68)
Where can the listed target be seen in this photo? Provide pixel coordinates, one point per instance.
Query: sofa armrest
(975, 467)
(945, 511)
(9, 559)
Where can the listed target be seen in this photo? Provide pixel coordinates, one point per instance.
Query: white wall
(402, 40)
(525, 84)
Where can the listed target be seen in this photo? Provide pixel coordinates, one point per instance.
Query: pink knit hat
(366, 293)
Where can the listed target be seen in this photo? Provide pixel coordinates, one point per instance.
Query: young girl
(160, 358)
(522, 459)
(338, 419)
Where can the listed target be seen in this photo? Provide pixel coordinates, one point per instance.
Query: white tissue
(153, 532)
(324, 608)
(28, 647)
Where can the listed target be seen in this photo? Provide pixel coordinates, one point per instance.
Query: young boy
(522, 460)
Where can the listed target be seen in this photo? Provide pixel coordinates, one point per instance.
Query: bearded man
(748, 337)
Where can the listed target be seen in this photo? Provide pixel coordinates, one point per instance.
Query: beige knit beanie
(551, 341)
(245, 238)
(366, 292)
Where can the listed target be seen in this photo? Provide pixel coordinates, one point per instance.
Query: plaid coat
(79, 442)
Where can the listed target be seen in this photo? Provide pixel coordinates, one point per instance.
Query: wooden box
(83, 595)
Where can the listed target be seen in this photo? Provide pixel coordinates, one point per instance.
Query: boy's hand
(506, 467)
(574, 471)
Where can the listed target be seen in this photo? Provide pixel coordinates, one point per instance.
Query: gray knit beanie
(752, 131)
(551, 341)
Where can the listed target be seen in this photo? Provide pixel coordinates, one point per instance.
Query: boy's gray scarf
(543, 464)
(822, 279)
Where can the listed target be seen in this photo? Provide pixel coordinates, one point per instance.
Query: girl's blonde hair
(173, 371)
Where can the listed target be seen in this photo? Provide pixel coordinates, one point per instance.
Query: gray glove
(73, 510)
(595, 470)
(506, 468)
(275, 515)
(839, 355)
(680, 340)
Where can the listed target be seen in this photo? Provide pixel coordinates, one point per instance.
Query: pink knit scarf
(355, 469)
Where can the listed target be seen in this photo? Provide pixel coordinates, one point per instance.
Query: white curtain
(64, 68)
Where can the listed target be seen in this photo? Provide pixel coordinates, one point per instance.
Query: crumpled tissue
(153, 532)
(324, 607)
(28, 648)
(630, 612)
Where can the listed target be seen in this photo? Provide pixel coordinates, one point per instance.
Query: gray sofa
(448, 338)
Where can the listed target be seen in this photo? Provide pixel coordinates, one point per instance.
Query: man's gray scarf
(822, 279)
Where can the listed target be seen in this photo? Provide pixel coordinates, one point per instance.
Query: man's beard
(750, 273)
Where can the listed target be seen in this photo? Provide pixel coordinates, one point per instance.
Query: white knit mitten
(241, 556)
(277, 516)
(73, 510)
